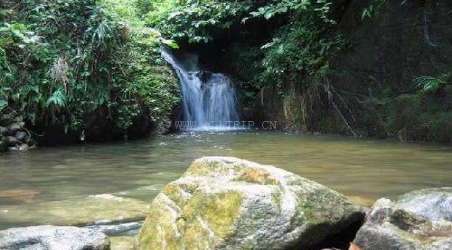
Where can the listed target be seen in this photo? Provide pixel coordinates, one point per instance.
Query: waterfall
(208, 99)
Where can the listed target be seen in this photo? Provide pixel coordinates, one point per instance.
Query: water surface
(362, 169)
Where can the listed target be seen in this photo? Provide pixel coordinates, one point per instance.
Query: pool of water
(362, 169)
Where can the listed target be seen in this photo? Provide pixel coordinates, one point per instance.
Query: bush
(63, 62)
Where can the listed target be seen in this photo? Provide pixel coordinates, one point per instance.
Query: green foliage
(275, 8)
(298, 53)
(197, 21)
(62, 62)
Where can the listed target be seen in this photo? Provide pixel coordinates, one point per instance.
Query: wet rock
(23, 147)
(21, 136)
(20, 147)
(204, 76)
(12, 141)
(113, 229)
(228, 203)
(417, 220)
(53, 238)
(13, 128)
(433, 204)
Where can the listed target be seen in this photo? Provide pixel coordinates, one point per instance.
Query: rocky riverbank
(13, 134)
(229, 203)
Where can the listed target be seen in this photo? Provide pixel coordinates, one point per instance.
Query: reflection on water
(362, 169)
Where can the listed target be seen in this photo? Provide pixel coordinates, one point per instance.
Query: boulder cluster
(13, 134)
(229, 203)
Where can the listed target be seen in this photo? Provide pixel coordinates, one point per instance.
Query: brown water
(362, 169)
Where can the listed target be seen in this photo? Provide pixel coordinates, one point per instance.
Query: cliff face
(401, 42)
(375, 76)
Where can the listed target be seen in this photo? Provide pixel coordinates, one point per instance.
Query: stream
(362, 169)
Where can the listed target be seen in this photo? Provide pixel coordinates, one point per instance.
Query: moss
(204, 168)
(258, 176)
(158, 231)
(219, 211)
(203, 220)
(174, 193)
(276, 199)
(122, 242)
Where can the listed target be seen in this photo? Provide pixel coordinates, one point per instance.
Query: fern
(57, 99)
(430, 84)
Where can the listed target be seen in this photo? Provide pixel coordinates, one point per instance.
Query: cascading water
(209, 100)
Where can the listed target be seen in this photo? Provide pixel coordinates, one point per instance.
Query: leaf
(58, 98)
(170, 43)
(268, 15)
(3, 104)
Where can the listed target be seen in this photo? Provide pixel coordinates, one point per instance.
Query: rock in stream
(229, 203)
(419, 220)
(53, 238)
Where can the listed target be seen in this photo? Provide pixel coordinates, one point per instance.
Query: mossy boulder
(228, 203)
(417, 220)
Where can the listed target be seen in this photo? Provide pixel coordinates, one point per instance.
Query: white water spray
(209, 100)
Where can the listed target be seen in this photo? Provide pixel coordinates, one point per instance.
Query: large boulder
(228, 203)
(53, 238)
(417, 220)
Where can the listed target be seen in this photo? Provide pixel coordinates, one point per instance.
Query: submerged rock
(91, 210)
(53, 238)
(417, 220)
(228, 203)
